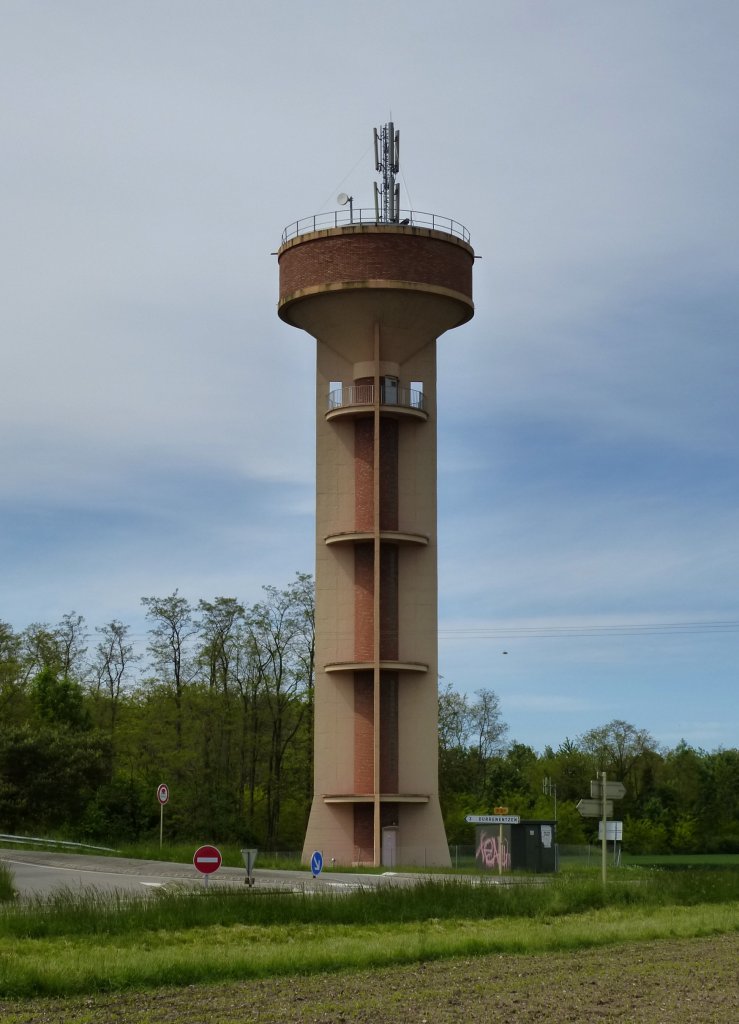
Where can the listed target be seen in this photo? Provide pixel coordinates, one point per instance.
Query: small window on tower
(335, 394)
(416, 394)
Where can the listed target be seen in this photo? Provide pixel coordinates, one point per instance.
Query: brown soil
(647, 983)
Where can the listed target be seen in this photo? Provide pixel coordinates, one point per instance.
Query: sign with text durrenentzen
(493, 819)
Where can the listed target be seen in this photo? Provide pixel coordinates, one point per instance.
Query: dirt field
(696, 981)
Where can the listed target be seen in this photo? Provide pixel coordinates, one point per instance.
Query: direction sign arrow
(594, 808)
(316, 863)
(493, 819)
(614, 790)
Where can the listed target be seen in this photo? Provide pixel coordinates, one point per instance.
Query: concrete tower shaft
(376, 297)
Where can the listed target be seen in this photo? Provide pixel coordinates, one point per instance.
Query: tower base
(412, 832)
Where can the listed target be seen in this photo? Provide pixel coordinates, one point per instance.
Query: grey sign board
(594, 808)
(614, 790)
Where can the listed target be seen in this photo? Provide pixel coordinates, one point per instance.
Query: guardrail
(345, 218)
(21, 840)
(364, 394)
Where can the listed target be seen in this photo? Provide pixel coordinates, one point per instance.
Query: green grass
(68, 914)
(50, 967)
(7, 890)
(76, 943)
(683, 860)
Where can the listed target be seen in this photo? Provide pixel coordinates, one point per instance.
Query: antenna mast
(387, 162)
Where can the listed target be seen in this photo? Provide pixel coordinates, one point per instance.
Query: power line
(586, 630)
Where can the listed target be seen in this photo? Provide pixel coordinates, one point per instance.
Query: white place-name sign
(493, 819)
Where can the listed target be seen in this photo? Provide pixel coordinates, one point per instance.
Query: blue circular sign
(316, 863)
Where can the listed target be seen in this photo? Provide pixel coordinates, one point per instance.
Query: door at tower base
(410, 845)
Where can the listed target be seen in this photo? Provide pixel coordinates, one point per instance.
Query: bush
(644, 836)
(7, 891)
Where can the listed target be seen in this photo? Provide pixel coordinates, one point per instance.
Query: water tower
(376, 287)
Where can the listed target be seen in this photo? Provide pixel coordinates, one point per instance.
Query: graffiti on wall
(492, 851)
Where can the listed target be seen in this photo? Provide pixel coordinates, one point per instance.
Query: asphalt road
(40, 873)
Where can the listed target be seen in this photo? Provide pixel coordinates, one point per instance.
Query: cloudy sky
(156, 416)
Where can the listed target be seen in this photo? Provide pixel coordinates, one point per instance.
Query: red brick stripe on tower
(363, 833)
(388, 474)
(363, 732)
(364, 444)
(389, 732)
(364, 590)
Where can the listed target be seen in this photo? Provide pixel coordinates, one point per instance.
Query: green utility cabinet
(534, 846)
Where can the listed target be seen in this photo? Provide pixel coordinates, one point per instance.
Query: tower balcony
(368, 798)
(387, 536)
(385, 665)
(359, 399)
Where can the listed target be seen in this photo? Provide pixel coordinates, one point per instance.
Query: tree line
(680, 800)
(221, 710)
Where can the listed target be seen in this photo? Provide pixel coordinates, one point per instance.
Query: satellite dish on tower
(342, 199)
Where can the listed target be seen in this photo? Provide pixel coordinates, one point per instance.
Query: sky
(156, 417)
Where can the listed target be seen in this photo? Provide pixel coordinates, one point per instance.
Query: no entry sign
(207, 860)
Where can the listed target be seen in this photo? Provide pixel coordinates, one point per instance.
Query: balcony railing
(364, 394)
(344, 218)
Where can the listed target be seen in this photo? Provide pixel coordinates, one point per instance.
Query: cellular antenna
(387, 162)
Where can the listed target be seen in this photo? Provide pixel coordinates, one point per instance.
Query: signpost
(207, 859)
(316, 863)
(162, 797)
(600, 805)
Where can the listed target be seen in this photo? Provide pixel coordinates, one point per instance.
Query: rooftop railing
(344, 218)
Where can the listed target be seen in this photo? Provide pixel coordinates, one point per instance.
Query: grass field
(653, 946)
(683, 860)
(638, 983)
(92, 943)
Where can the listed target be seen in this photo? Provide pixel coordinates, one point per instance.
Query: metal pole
(603, 845)
(161, 824)
(500, 848)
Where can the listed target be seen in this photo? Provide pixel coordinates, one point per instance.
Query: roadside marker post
(604, 818)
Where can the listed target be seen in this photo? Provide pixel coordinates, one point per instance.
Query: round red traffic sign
(207, 860)
(163, 793)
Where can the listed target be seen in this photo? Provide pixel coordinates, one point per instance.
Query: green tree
(49, 773)
(281, 639)
(172, 627)
(627, 755)
(60, 701)
(114, 657)
(13, 690)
